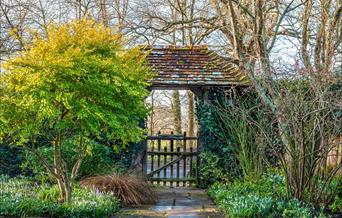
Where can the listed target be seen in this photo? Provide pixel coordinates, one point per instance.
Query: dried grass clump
(130, 190)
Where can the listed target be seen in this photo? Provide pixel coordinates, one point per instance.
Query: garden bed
(22, 197)
(265, 197)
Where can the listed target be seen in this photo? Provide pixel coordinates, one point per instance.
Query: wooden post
(158, 156)
(191, 173)
(152, 158)
(198, 160)
(138, 163)
(184, 160)
(206, 96)
(171, 157)
(144, 158)
(177, 183)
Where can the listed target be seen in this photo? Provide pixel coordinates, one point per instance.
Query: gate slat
(165, 149)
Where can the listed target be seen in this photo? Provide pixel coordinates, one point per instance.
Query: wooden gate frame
(180, 156)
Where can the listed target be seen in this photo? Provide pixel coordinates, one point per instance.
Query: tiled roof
(192, 66)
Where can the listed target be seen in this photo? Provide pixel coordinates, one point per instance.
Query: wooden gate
(172, 160)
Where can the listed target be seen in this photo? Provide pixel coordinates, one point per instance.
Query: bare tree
(305, 124)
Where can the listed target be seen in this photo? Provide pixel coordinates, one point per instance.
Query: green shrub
(89, 204)
(10, 160)
(209, 129)
(99, 160)
(260, 198)
(49, 193)
(292, 208)
(334, 193)
(210, 170)
(22, 197)
(336, 205)
(229, 127)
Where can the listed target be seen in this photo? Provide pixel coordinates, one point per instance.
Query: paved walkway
(176, 202)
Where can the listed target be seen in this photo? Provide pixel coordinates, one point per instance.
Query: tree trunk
(78, 10)
(65, 187)
(103, 12)
(59, 171)
(177, 114)
(152, 115)
(191, 117)
(137, 164)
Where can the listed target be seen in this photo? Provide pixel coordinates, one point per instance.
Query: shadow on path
(176, 202)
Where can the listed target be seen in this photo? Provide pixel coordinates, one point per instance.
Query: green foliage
(99, 161)
(79, 80)
(334, 195)
(229, 129)
(21, 197)
(210, 170)
(336, 205)
(47, 193)
(10, 160)
(259, 198)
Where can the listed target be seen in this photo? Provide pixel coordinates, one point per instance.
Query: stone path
(176, 202)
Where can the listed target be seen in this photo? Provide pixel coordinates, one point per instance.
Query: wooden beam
(171, 137)
(187, 153)
(187, 179)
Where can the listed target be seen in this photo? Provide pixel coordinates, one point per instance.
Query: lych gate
(171, 160)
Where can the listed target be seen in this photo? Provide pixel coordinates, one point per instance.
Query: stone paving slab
(176, 203)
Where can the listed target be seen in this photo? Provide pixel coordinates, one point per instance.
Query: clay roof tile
(192, 66)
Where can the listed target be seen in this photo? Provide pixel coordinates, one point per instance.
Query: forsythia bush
(72, 87)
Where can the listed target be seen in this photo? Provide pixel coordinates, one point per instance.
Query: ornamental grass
(128, 189)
